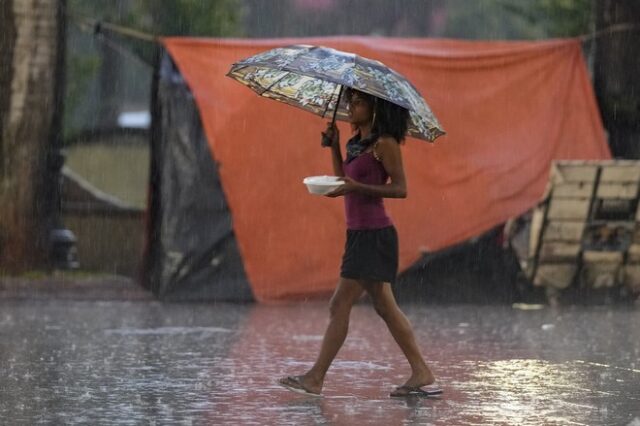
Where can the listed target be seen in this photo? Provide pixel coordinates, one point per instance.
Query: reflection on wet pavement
(151, 363)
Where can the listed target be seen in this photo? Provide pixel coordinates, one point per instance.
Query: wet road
(67, 362)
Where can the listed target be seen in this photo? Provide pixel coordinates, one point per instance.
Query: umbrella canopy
(312, 78)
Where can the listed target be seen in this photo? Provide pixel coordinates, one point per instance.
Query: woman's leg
(347, 293)
(385, 305)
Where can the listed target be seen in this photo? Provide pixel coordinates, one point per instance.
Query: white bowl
(320, 185)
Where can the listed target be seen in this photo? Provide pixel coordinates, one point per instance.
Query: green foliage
(485, 19)
(212, 18)
(80, 69)
(518, 19)
(558, 18)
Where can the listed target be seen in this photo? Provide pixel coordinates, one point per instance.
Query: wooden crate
(590, 219)
(626, 190)
(613, 209)
(631, 277)
(537, 222)
(633, 254)
(622, 172)
(600, 269)
(559, 252)
(608, 235)
(563, 231)
(567, 209)
(608, 257)
(601, 274)
(555, 275)
(574, 172)
(573, 190)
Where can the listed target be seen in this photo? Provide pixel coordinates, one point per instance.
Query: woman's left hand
(349, 185)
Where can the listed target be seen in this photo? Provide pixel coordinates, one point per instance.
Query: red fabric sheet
(509, 108)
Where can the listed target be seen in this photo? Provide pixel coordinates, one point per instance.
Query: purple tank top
(364, 211)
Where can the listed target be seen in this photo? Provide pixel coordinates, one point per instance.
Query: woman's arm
(333, 134)
(388, 150)
(336, 156)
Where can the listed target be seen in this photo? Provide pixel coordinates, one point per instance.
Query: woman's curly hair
(389, 119)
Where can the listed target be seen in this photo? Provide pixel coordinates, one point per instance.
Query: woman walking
(372, 171)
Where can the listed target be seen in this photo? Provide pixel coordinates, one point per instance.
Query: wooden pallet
(586, 229)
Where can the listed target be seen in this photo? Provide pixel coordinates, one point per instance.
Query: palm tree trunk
(31, 41)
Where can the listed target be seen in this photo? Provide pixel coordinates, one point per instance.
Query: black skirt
(371, 255)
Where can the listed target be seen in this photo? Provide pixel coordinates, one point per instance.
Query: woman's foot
(427, 391)
(416, 381)
(420, 378)
(302, 384)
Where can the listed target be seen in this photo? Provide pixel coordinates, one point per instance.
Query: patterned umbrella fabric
(311, 77)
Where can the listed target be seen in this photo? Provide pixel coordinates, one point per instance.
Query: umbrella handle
(326, 141)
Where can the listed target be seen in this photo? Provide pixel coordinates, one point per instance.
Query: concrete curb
(105, 287)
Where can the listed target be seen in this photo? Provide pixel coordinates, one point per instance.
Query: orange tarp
(509, 108)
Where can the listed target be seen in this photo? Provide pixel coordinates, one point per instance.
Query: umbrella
(313, 78)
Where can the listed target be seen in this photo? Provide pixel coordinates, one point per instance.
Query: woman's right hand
(331, 136)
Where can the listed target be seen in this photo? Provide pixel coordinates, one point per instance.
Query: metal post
(62, 250)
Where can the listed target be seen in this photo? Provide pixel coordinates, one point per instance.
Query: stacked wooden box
(559, 223)
(586, 231)
(612, 224)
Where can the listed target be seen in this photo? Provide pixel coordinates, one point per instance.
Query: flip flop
(425, 392)
(294, 384)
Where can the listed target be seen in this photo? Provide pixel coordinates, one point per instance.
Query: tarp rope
(97, 28)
